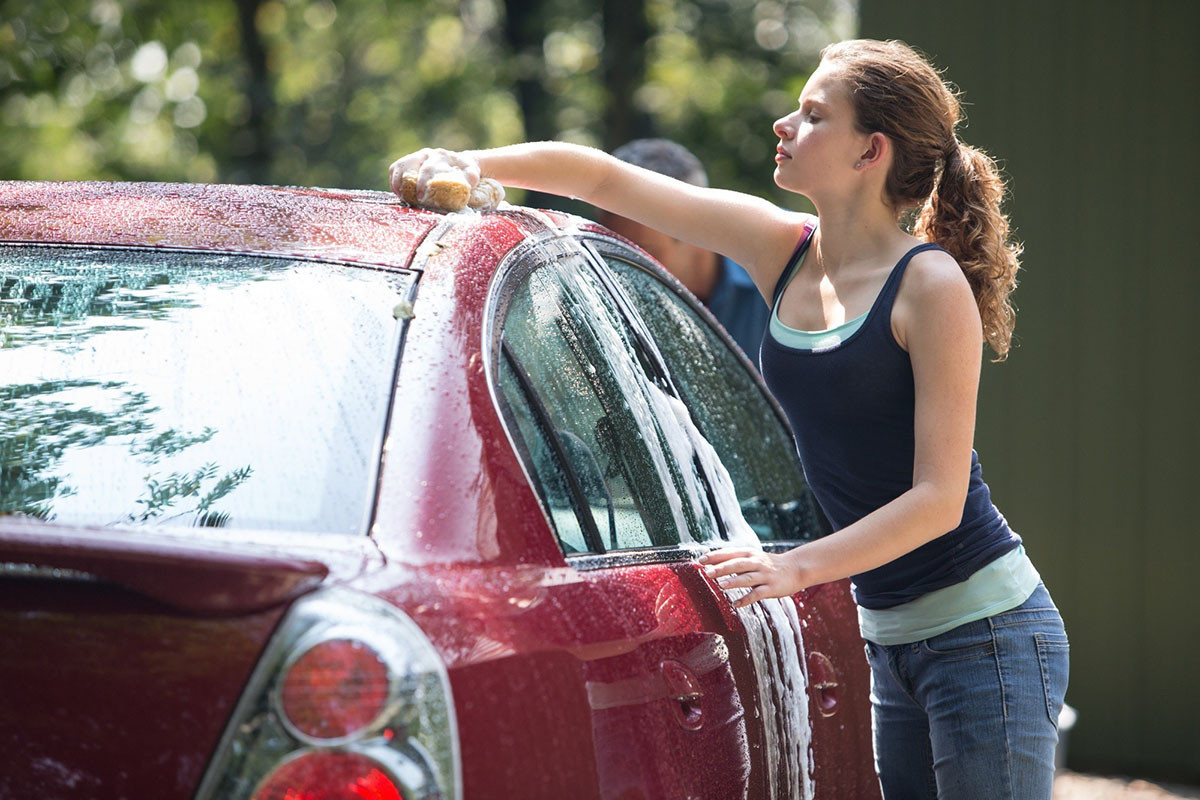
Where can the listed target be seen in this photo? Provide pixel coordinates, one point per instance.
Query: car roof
(346, 225)
(369, 227)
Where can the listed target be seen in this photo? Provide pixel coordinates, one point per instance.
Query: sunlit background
(319, 93)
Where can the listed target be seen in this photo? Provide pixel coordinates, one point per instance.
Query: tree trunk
(253, 162)
(525, 28)
(626, 31)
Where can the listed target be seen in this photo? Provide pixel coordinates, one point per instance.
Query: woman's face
(819, 144)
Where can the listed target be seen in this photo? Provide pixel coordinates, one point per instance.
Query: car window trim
(662, 555)
(399, 338)
(219, 251)
(635, 557)
(591, 534)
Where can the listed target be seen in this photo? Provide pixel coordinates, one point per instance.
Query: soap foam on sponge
(442, 183)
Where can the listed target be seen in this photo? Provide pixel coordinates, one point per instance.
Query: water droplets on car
(140, 387)
(774, 633)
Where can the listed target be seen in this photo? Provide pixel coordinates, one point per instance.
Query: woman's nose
(782, 128)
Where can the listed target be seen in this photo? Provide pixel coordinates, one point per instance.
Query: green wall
(1088, 434)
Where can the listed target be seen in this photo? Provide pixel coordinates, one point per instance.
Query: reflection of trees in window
(57, 299)
(35, 432)
(69, 297)
(163, 494)
(37, 429)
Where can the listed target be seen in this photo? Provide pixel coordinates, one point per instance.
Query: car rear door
(730, 406)
(685, 695)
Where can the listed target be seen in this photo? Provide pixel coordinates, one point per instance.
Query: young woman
(873, 350)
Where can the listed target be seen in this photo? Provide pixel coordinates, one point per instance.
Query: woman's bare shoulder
(933, 274)
(933, 288)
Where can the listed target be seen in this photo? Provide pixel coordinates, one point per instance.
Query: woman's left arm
(937, 321)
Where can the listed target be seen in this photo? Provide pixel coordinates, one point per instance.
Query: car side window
(730, 409)
(594, 429)
(547, 466)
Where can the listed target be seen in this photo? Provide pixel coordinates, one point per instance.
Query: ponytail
(963, 215)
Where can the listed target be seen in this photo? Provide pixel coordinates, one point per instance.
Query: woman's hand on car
(764, 574)
(429, 161)
(443, 180)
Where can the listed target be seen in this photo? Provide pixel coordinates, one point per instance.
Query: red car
(308, 494)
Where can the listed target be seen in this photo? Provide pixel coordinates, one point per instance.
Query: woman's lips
(781, 154)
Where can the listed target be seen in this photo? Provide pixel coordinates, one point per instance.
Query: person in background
(718, 282)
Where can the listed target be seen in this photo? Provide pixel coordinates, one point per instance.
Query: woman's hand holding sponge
(443, 180)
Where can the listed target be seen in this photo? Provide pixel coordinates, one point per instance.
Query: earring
(860, 165)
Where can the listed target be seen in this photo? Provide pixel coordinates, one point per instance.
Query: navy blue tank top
(852, 409)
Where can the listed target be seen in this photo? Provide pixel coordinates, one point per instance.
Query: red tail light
(328, 775)
(335, 689)
(349, 701)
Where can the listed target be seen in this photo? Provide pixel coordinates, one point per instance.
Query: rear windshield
(187, 389)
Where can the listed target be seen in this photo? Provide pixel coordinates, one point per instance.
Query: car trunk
(125, 652)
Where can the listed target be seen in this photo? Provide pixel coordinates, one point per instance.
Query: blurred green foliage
(314, 92)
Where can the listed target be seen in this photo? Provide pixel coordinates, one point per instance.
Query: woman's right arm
(753, 232)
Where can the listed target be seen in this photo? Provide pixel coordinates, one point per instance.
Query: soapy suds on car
(776, 641)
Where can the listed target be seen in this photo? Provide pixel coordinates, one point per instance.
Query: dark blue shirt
(852, 409)
(738, 306)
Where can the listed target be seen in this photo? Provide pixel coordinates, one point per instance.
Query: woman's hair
(895, 91)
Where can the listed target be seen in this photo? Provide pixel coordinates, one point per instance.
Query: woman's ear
(878, 148)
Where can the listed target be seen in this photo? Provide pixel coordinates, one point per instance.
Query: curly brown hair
(958, 188)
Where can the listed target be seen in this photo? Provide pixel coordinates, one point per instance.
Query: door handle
(683, 694)
(823, 683)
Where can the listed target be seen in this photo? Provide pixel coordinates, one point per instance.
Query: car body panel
(105, 693)
(570, 665)
(230, 578)
(839, 682)
(478, 500)
(541, 616)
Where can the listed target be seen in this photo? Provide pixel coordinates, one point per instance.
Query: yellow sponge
(448, 192)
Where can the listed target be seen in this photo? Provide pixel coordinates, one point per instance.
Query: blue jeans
(972, 714)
